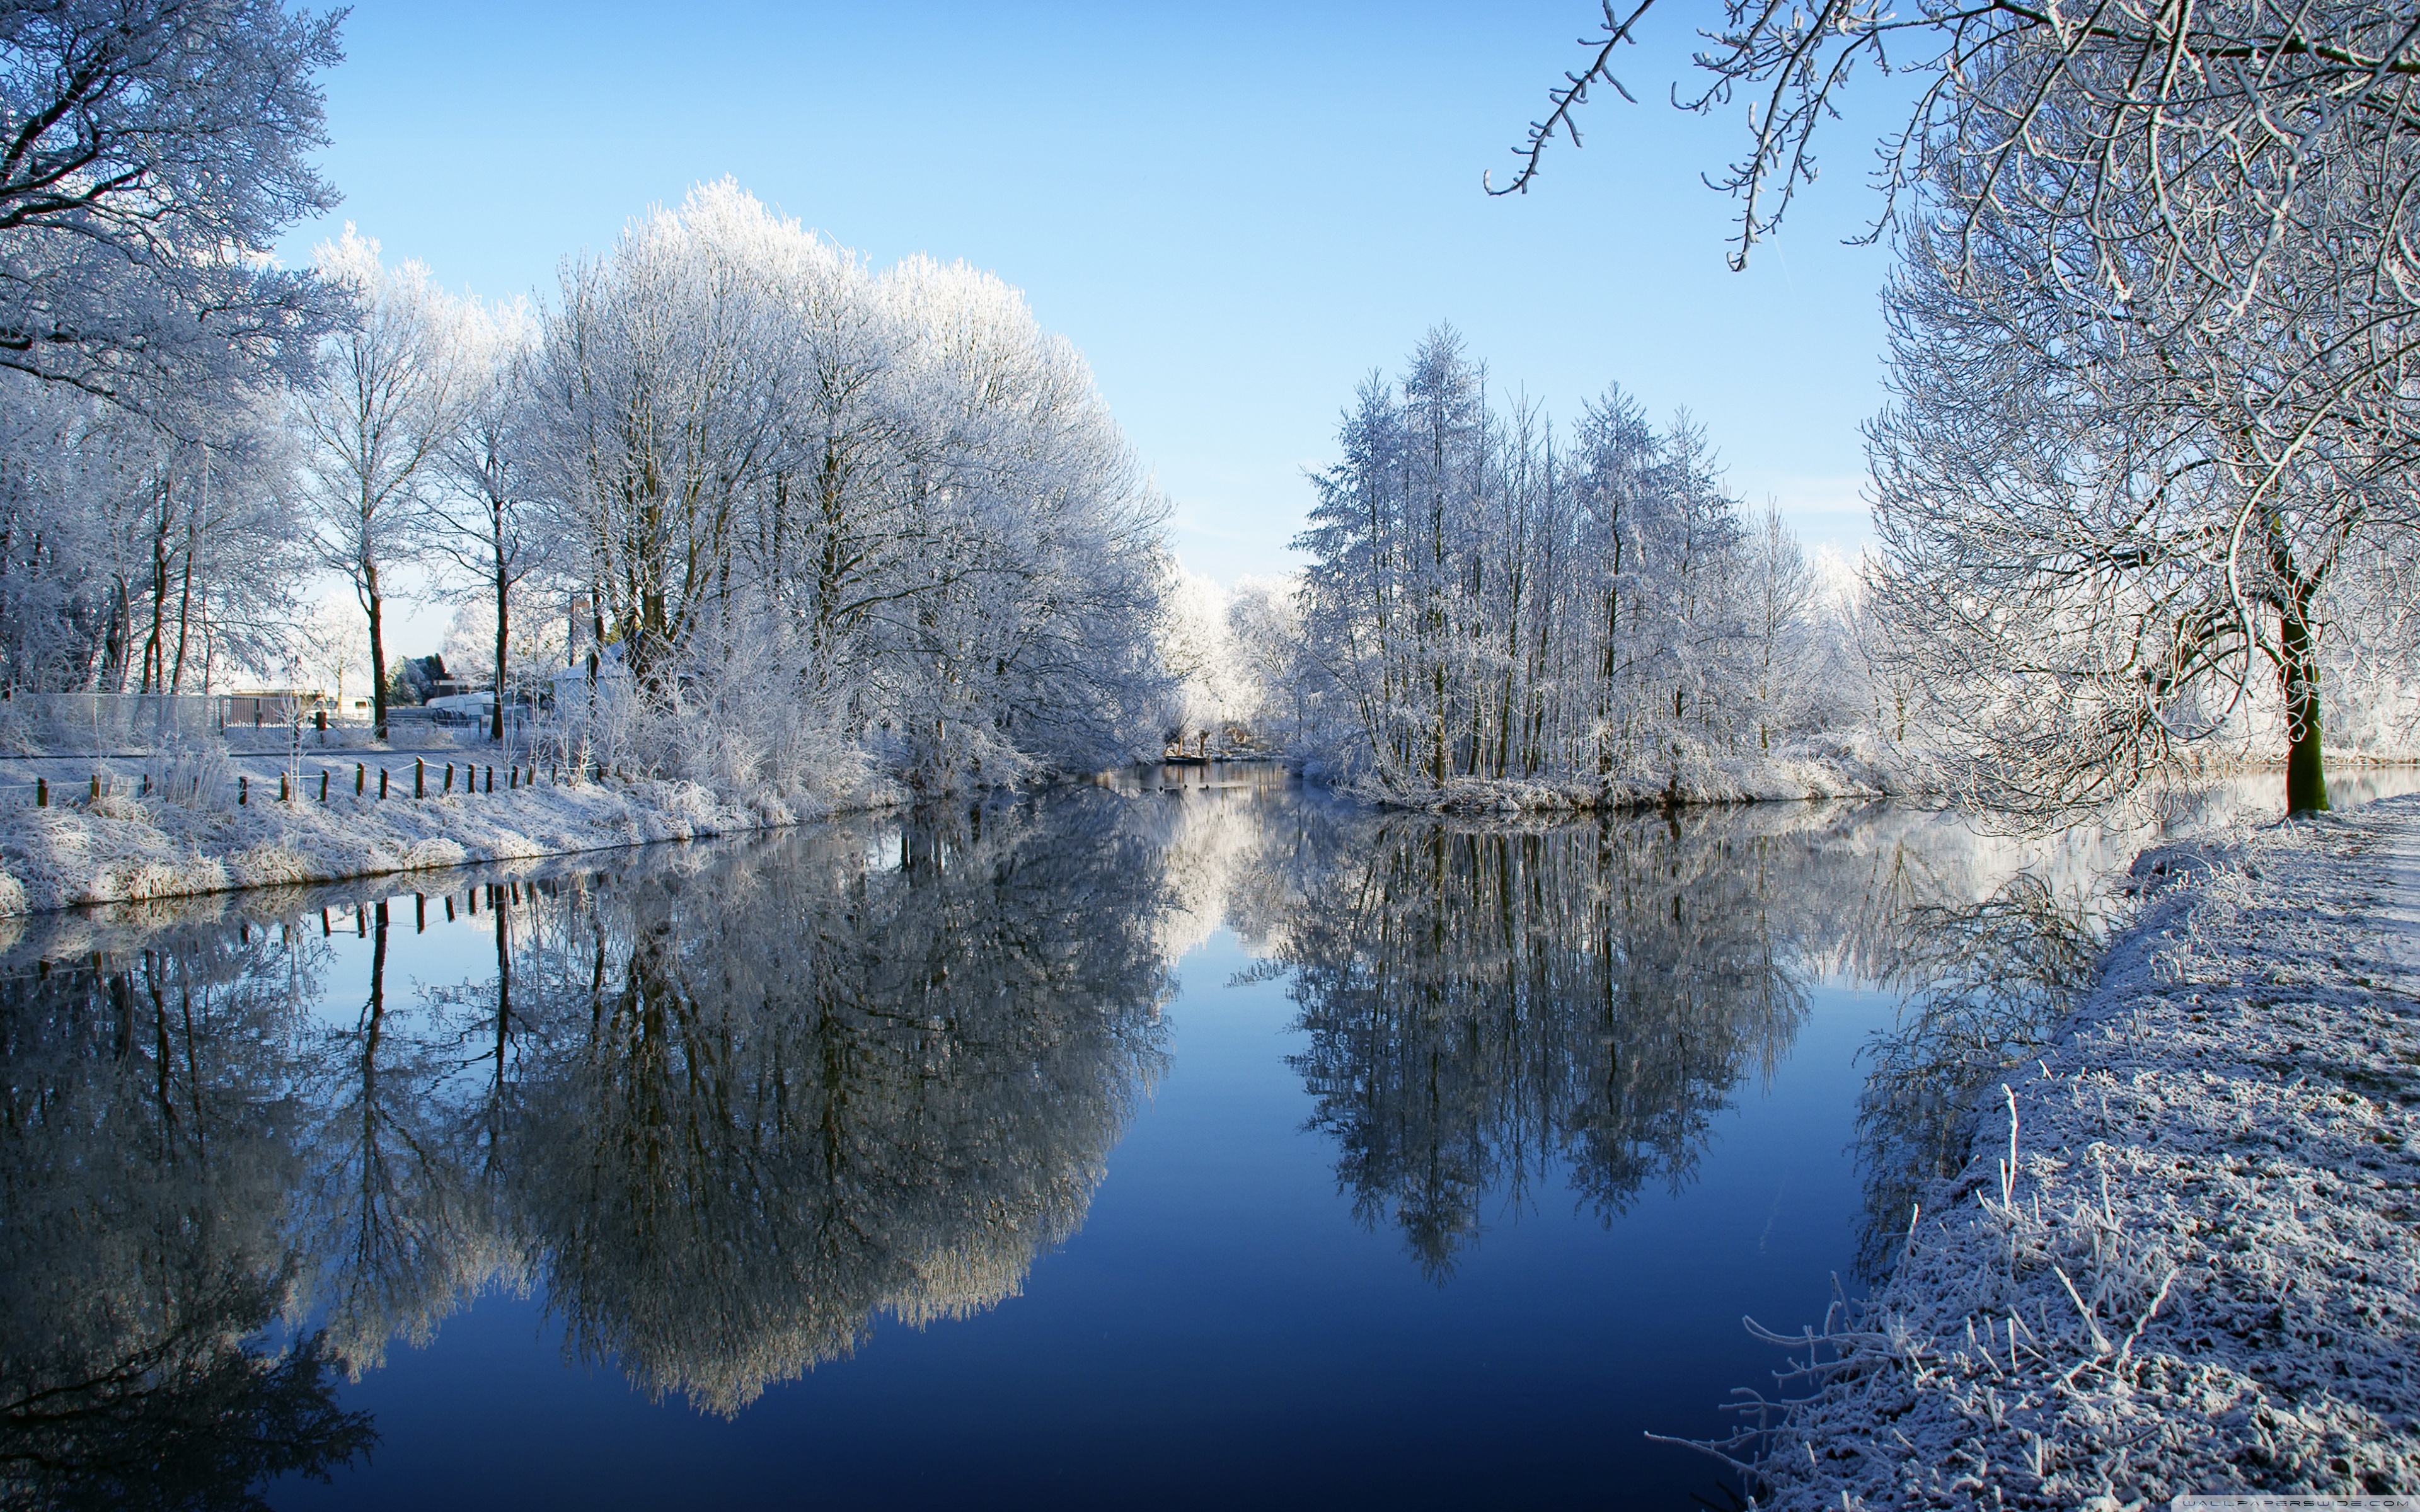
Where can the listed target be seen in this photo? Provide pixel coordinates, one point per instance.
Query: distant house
(258, 708)
(427, 680)
(569, 686)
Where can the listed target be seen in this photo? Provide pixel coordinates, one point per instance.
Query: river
(1189, 1139)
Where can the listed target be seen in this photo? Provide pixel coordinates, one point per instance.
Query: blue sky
(1235, 212)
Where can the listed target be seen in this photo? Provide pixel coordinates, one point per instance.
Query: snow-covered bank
(119, 849)
(1845, 767)
(2181, 1257)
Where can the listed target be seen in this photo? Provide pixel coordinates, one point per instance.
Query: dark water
(1190, 1143)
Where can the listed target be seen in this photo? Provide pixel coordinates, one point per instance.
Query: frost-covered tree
(2112, 514)
(889, 505)
(152, 151)
(150, 154)
(487, 516)
(139, 552)
(1778, 611)
(374, 426)
(534, 633)
(1489, 605)
(661, 382)
(333, 647)
(1024, 639)
(1265, 640)
(1214, 689)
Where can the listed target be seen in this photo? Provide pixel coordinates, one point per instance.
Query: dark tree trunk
(371, 602)
(2306, 771)
(496, 720)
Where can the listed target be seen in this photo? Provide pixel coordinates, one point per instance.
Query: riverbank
(1845, 767)
(117, 848)
(2182, 1255)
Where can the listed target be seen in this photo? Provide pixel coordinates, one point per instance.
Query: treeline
(141, 552)
(798, 520)
(1494, 604)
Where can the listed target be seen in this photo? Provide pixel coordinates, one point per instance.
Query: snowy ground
(123, 848)
(2182, 1255)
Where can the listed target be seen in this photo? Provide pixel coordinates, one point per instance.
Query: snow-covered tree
(1494, 606)
(135, 556)
(892, 505)
(1265, 638)
(374, 426)
(152, 151)
(662, 384)
(2113, 508)
(534, 640)
(1213, 690)
(487, 517)
(334, 648)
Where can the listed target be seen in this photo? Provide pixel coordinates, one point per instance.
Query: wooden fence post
(419, 778)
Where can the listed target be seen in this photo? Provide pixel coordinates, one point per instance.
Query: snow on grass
(1831, 766)
(2181, 1257)
(116, 848)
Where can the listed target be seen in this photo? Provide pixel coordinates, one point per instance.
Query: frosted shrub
(193, 773)
(741, 727)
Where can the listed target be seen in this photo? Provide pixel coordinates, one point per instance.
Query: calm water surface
(1193, 1142)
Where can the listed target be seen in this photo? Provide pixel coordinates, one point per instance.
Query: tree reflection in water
(146, 1155)
(1486, 1004)
(724, 1109)
(765, 1104)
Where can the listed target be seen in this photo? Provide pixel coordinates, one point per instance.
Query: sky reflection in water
(1192, 1144)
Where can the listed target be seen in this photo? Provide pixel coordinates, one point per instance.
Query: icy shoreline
(1798, 772)
(2181, 1257)
(121, 849)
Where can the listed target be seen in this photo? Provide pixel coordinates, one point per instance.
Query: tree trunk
(184, 614)
(2307, 772)
(496, 719)
(371, 602)
(155, 658)
(118, 647)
